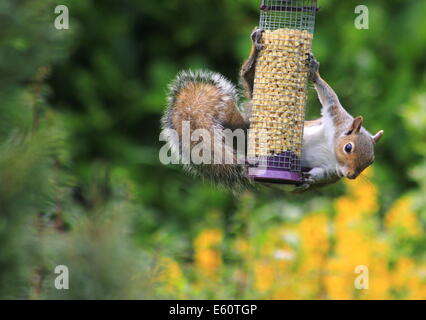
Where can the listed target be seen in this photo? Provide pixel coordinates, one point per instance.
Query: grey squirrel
(334, 146)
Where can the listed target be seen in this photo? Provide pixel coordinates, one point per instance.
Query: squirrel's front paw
(313, 66)
(306, 184)
(256, 37)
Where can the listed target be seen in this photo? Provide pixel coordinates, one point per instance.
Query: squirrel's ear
(356, 125)
(378, 136)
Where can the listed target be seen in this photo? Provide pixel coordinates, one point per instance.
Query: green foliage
(38, 195)
(27, 144)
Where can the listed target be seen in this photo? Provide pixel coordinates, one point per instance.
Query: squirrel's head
(355, 149)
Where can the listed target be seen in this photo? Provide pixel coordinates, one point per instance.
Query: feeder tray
(280, 91)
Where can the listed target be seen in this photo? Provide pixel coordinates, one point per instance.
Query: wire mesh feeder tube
(280, 91)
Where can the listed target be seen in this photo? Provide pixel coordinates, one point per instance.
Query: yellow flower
(338, 288)
(313, 230)
(207, 256)
(379, 280)
(361, 197)
(365, 194)
(171, 275)
(353, 246)
(264, 276)
(347, 209)
(208, 238)
(208, 261)
(401, 216)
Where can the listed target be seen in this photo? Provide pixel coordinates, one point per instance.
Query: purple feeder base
(283, 168)
(273, 175)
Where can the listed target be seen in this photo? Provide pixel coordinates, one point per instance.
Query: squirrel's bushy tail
(206, 101)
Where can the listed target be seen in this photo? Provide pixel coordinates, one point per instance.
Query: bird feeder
(280, 91)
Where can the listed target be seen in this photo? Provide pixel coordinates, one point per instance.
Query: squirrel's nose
(352, 175)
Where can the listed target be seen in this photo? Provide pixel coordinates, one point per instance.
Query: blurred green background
(81, 183)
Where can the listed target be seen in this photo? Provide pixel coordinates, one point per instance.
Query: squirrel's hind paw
(313, 66)
(256, 37)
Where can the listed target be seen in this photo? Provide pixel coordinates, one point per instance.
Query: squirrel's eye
(348, 147)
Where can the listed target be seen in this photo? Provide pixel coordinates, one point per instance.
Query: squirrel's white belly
(317, 151)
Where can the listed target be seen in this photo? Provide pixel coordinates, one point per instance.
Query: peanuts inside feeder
(280, 91)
